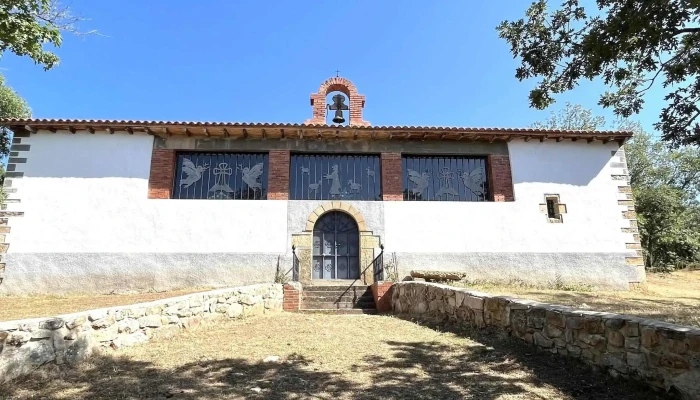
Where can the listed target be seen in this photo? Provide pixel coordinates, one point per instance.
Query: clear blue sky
(418, 63)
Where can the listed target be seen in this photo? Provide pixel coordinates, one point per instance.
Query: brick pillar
(500, 178)
(382, 295)
(292, 297)
(160, 181)
(392, 184)
(278, 176)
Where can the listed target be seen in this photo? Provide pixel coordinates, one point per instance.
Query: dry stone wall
(66, 339)
(663, 355)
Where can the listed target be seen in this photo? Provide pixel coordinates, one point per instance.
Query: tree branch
(686, 30)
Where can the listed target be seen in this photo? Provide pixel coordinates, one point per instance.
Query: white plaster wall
(85, 193)
(577, 171)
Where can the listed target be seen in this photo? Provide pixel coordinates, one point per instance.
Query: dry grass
(673, 297)
(21, 307)
(324, 357)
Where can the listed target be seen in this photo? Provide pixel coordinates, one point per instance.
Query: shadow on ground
(494, 369)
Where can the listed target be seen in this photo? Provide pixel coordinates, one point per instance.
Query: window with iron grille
(240, 176)
(444, 178)
(335, 177)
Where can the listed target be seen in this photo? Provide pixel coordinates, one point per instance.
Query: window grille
(335, 177)
(444, 178)
(240, 176)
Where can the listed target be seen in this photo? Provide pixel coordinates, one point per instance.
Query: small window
(551, 213)
(553, 208)
(444, 178)
(222, 176)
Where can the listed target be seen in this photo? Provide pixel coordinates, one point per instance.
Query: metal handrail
(377, 266)
(295, 264)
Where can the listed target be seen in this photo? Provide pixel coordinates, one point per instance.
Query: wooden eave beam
(442, 136)
(560, 138)
(187, 132)
(29, 128)
(575, 138)
(493, 137)
(543, 138)
(591, 139)
(148, 130)
(461, 136)
(607, 140)
(264, 133)
(282, 134)
(226, 132)
(109, 130)
(167, 132)
(51, 129)
(245, 133)
(374, 135)
(527, 138)
(71, 129)
(354, 134)
(206, 132)
(130, 130)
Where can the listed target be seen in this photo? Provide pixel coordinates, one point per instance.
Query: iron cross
(338, 105)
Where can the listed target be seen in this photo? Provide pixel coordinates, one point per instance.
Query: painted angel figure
(251, 175)
(472, 180)
(335, 178)
(194, 173)
(420, 180)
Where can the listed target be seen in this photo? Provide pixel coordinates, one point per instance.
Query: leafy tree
(11, 106)
(27, 25)
(666, 187)
(572, 117)
(630, 44)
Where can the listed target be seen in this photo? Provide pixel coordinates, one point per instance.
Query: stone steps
(343, 311)
(337, 298)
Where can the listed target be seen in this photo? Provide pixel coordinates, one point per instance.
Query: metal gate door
(336, 250)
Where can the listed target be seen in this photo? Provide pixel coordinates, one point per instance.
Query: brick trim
(278, 175)
(500, 178)
(292, 297)
(392, 184)
(160, 180)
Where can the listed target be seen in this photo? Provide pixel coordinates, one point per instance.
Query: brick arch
(337, 84)
(335, 206)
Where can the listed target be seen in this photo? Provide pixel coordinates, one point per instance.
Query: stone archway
(368, 242)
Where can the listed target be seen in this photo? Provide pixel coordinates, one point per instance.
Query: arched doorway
(336, 248)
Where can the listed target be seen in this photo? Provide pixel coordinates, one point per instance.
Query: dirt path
(324, 357)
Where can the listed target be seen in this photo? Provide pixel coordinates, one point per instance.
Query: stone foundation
(663, 355)
(66, 339)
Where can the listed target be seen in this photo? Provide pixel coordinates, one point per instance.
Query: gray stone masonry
(660, 354)
(66, 339)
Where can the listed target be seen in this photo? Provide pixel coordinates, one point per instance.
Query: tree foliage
(665, 184)
(11, 106)
(27, 26)
(571, 117)
(630, 44)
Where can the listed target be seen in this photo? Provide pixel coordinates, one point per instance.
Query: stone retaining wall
(663, 355)
(27, 344)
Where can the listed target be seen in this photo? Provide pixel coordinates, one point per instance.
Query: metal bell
(339, 119)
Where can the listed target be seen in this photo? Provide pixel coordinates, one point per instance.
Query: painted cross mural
(457, 179)
(198, 181)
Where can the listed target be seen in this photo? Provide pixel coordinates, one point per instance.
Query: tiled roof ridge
(49, 121)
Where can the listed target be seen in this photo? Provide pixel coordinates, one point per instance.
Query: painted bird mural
(194, 173)
(251, 175)
(472, 180)
(420, 180)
